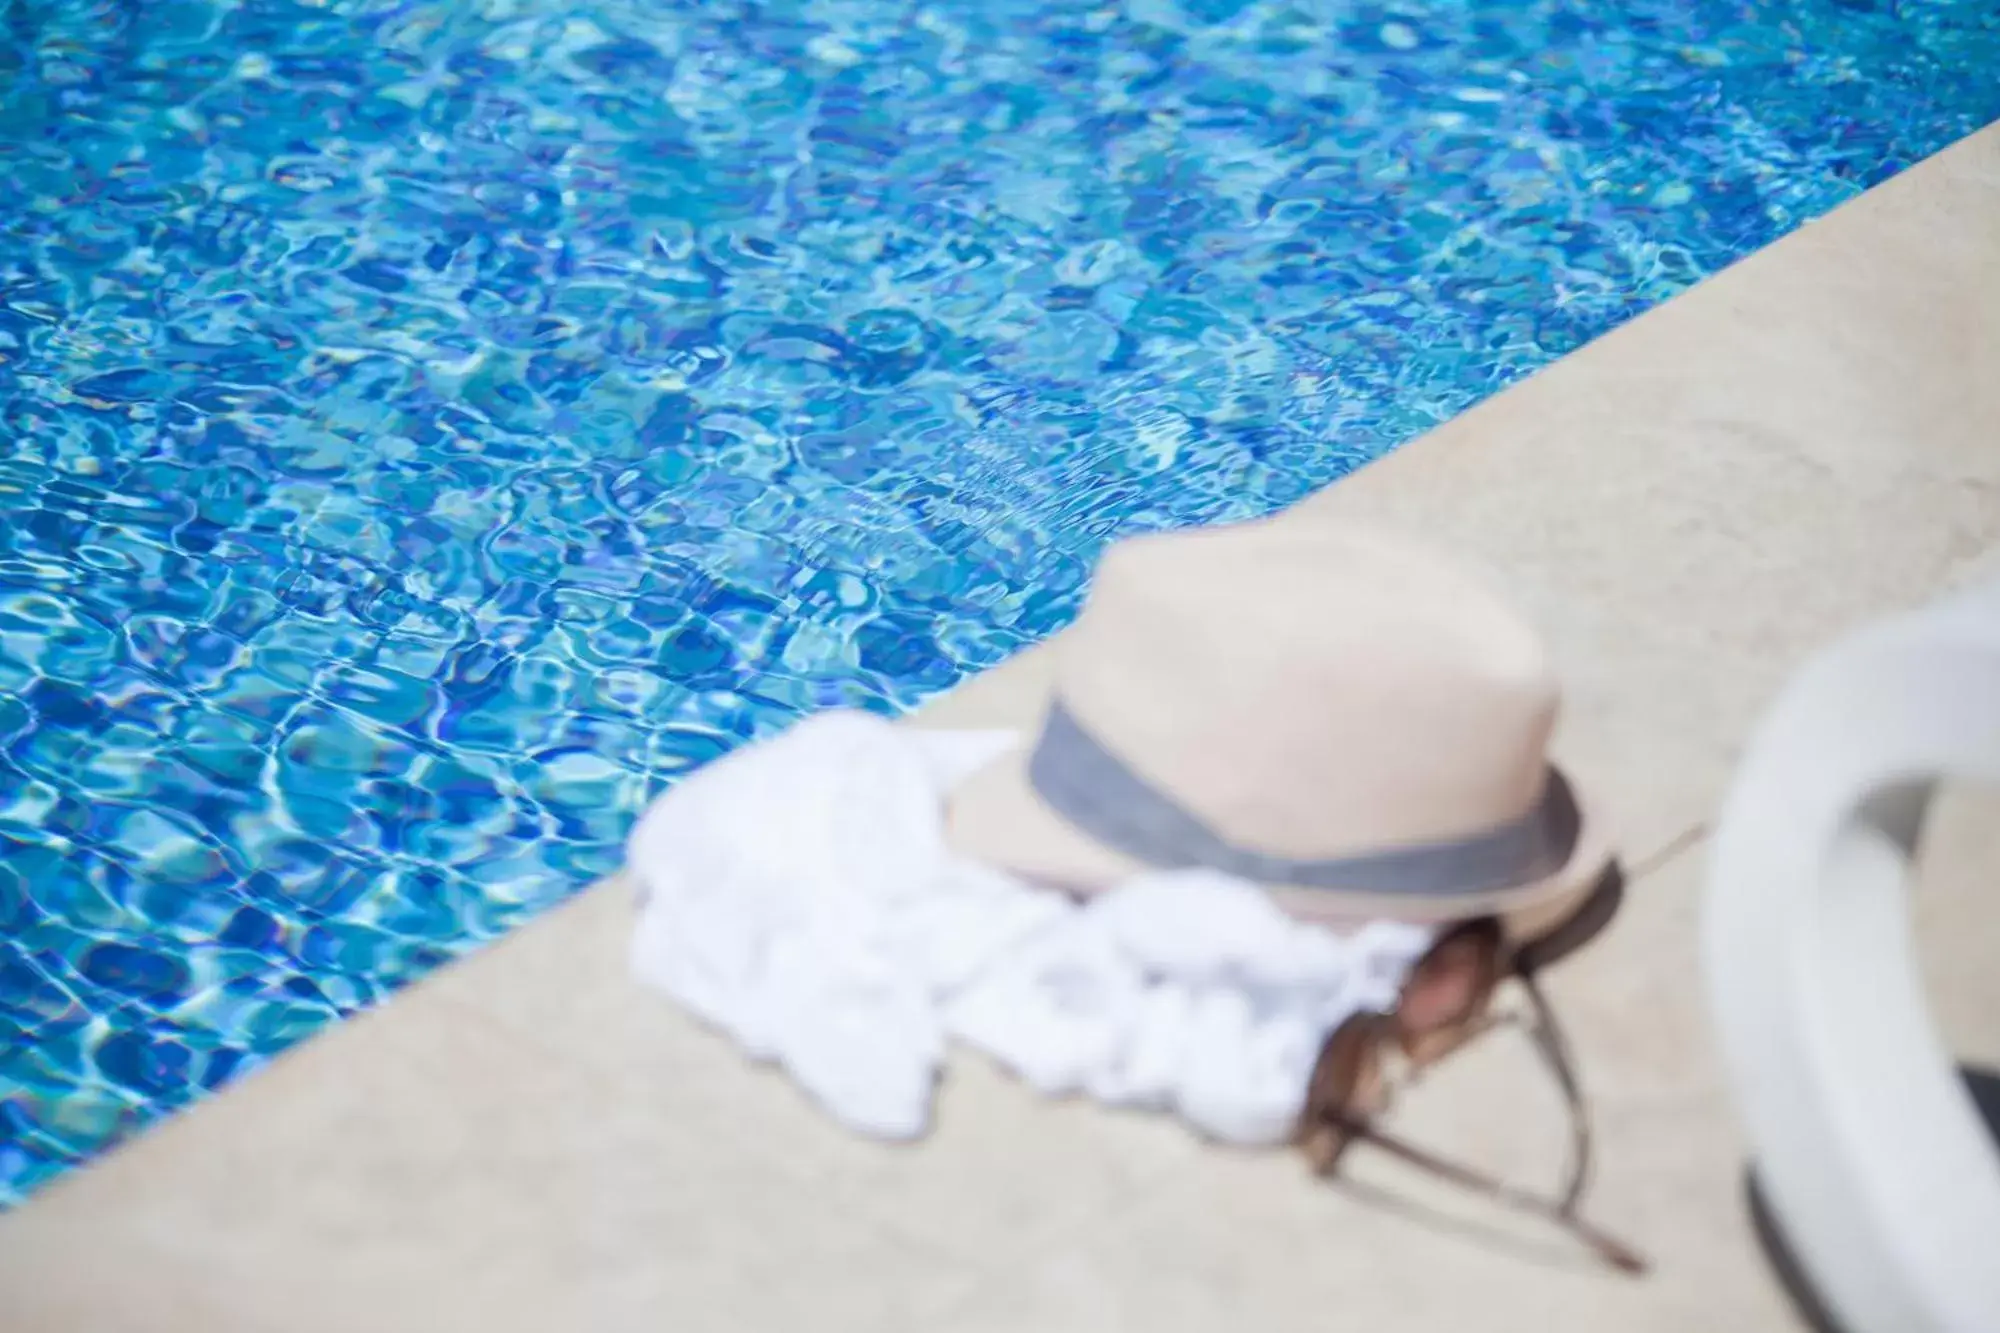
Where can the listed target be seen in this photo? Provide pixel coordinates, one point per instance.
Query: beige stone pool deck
(1688, 507)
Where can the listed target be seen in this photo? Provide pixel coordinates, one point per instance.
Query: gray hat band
(1093, 790)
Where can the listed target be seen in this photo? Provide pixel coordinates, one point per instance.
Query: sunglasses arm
(1606, 1246)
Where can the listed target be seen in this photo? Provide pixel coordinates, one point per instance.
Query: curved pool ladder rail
(1872, 1156)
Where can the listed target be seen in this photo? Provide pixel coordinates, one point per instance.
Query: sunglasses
(1447, 1002)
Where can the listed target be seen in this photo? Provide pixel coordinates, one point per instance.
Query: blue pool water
(431, 425)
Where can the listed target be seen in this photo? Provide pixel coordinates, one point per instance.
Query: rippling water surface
(426, 427)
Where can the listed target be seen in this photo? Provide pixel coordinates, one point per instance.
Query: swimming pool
(431, 426)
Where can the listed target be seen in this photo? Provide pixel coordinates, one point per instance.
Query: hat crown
(1312, 692)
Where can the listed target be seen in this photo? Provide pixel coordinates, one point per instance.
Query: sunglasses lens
(1452, 984)
(1348, 1085)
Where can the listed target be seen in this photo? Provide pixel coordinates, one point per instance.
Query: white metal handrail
(1869, 1149)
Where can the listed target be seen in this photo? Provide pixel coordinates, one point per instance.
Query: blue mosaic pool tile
(431, 426)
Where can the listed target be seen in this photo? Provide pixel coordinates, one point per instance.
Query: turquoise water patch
(430, 427)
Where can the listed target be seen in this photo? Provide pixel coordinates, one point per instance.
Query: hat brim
(997, 817)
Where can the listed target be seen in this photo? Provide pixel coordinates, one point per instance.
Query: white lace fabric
(799, 896)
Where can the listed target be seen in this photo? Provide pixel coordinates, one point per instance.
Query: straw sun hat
(1341, 715)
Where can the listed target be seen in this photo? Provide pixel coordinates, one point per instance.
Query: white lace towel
(798, 895)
